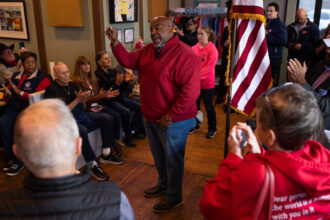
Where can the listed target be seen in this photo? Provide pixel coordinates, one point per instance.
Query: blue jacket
(29, 85)
(277, 37)
(306, 37)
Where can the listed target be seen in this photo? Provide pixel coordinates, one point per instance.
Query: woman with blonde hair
(101, 115)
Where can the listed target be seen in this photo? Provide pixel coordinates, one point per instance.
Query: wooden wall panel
(65, 13)
(157, 8)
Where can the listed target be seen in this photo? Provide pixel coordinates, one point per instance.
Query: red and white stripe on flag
(252, 72)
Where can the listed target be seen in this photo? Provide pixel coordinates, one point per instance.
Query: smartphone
(21, 45)
(242, 136)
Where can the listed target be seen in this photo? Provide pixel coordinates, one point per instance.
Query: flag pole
(230, 78)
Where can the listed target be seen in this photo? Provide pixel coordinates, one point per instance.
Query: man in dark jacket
(190, 36)
(277, 37)
(47, 141)
(301, 36)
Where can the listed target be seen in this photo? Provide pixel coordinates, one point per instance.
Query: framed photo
(13, 22)
(119, 35)
(122, 11)
(129, 35)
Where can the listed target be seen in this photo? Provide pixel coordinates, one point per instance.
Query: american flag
(252, 73)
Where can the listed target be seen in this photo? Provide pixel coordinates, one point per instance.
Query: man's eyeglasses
(270, 110)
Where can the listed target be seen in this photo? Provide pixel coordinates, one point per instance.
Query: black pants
(275, 64)
(207, 97)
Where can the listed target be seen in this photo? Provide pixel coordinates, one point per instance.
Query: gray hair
(45, 135)
(297, 116)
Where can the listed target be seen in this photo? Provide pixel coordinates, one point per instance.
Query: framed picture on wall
(119, 35)
(122, 11)
(129, 35)
(13, 22)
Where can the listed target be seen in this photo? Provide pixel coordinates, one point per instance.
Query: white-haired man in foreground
(47, 141)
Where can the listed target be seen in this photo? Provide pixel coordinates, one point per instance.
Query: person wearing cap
(190, 37)
(9, 62)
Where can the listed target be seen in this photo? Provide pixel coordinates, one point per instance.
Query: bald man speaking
(301, 36)
(170, 85)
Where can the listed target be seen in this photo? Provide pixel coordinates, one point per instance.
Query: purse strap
(268, 187)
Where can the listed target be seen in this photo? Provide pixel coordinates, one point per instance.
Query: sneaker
(98, 173)
(7, 167)
(211, 134)
(14, 169)
(129, 142)
(154, 191)
(166, 206)
(111, 158)
(194, 130)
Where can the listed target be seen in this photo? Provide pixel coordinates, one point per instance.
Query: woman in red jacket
(287, 119)
(208, 55)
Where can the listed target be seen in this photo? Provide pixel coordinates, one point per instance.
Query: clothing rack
(205, 12)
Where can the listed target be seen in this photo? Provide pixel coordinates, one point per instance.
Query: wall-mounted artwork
(129, 35)
(65, 13)
(13, 23)
(119, 35)
(122, 11)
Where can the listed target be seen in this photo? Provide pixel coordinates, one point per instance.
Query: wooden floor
(201, 164)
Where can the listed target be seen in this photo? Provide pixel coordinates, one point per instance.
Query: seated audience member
(69, 92)
(9, 62)
(287, 118)
(47, 141)
(98, 113)
(318, 82)
(21, 84)
(109, 79)
(125, 98)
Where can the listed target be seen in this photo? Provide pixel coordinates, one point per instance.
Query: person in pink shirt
(208, 55)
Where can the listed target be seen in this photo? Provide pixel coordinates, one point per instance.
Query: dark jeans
(7, 122)
(134, 106)
(125, 114)
(168, 149)
(275, 64)
(86, 148)
(207, 97)
(106, 123)
(116, 120)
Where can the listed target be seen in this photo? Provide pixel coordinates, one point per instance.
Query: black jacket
(73, 197)
(306, 37)
(277, 37)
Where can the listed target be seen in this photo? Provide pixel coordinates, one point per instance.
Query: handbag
(268, 188)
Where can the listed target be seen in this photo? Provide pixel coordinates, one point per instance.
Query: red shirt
(169, 84)
(302, 185)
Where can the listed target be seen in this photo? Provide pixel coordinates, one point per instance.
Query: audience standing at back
(301, 36)
(277, 38)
